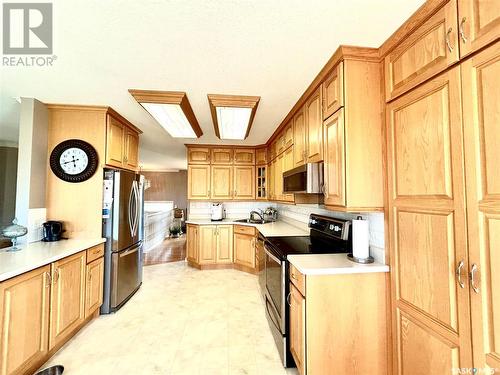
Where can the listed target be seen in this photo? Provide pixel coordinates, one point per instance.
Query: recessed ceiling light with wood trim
(171, 109)
(232, 115)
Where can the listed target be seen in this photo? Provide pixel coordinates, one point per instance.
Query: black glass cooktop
(283, 246)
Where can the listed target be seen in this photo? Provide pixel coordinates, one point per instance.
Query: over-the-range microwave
(307, 178)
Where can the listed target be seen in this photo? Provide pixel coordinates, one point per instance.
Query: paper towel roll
(360, 238)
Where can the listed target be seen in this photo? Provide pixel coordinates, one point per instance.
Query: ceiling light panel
(171, 118)
(171, 109)
(233, 122)
(232, 115)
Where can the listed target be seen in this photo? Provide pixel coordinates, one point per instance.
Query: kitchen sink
(248, 221)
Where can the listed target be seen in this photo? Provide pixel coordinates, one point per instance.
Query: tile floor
(181, 321)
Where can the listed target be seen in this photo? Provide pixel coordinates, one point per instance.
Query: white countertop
(275, 229)
(38, 254)
(332, 264)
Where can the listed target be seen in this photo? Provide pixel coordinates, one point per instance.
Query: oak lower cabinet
(94, 286)
(24, 321)
(215, 244)
(338, 324)
(192, 245)
(244, 246)
(41, 309)
(67, 300)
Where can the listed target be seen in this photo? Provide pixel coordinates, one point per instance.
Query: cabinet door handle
(473, 280)
(448, 44)
(459, 274)
(48, 279)
(56, 276)
(288, 299)
(461, 30)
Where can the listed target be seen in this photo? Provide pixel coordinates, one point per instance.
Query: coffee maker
(52, 231)
(217, 212)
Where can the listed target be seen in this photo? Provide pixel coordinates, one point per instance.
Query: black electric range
(327, 236)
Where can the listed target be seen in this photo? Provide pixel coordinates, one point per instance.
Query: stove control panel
(338, 228)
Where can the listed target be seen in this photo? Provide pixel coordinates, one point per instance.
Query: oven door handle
(272, 256)
(271, 316)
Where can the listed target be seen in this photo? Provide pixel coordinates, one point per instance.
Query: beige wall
(32, 160)
(8, 176)
(167, 186)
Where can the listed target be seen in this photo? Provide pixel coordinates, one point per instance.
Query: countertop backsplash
(234, 210)
(301, 212)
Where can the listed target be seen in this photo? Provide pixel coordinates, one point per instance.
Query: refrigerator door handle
(136, 207)
(130, 219)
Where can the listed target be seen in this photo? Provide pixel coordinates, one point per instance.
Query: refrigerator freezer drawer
(125, 275)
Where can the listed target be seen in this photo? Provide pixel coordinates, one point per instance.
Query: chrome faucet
(259, 214)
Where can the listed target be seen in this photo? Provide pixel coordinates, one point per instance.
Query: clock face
(73, 160)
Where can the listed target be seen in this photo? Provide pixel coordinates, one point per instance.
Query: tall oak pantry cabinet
(443, 166)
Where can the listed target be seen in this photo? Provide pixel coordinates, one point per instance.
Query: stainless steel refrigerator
(122, 226)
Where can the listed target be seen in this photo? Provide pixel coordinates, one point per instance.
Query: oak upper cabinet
(479, 24)
(115, 142)
(280, 143)
(299, 138)
(334, 166)
(271, 177)
(192, 245)
(244, 156)
(131, 160)
(244, 246)
(122, 144)
(94, 286)
(67, 300)
(427, 225)
(314, 127)
(198, 155)
(207, 237)
(333, 91)
(278, 177)
(244, 182)
(288, 132)
(222, 182)
(481, 111)
(222, 156)
(224, 244)
(261, 156)
(353, 143)
(298, 328)
(199, 182)
(287, 165)
(430, 49)
(24, 321)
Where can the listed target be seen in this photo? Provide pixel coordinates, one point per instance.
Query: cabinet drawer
(95, 252)
(430, 49)
(243, 229)
(298, 279)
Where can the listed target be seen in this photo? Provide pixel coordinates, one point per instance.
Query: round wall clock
(74, 160)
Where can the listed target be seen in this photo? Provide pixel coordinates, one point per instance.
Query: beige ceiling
(272, 49)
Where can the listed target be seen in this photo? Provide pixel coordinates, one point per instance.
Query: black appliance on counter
(52, 231)
(327, 236)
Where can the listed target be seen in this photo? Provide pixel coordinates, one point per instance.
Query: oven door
(275, 287)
